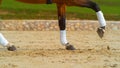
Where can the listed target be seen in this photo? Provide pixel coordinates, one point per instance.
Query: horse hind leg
(101, 19)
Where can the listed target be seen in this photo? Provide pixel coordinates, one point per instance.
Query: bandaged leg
(3, 41)
(63, 37)
(102, 22)
(101, 19)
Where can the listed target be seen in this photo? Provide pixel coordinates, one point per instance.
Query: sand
(42, 49)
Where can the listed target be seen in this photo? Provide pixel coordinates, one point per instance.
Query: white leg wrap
(101, 18)
(63, 37)
(3, 41)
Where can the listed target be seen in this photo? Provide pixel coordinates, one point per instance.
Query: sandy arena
(42, 49)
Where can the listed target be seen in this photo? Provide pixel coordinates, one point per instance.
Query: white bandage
(101, 18)
(3, 41)
(63, 37)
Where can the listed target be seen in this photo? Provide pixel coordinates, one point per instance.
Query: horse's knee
(92, 5)
(62, 23)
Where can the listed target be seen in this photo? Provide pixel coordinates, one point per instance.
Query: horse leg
(101, 19)
(62, 26)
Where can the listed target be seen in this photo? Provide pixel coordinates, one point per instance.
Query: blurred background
(10, 9)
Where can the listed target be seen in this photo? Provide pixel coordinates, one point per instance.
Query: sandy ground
(42, 49)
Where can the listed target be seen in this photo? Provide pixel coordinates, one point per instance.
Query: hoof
(11, 48)
(70, 47)
(101, 32)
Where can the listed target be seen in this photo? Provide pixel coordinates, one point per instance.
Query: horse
(61, 9)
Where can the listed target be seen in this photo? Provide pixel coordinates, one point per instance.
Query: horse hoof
(70, 47)
(11, 48)
(101, 32)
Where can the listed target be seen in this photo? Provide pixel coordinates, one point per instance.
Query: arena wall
(52, 25)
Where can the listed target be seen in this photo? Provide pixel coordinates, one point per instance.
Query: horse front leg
(62, 26)
(101, 19)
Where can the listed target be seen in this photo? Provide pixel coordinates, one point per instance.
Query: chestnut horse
(61, 7)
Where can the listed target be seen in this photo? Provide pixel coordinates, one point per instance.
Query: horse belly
(33, 1)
